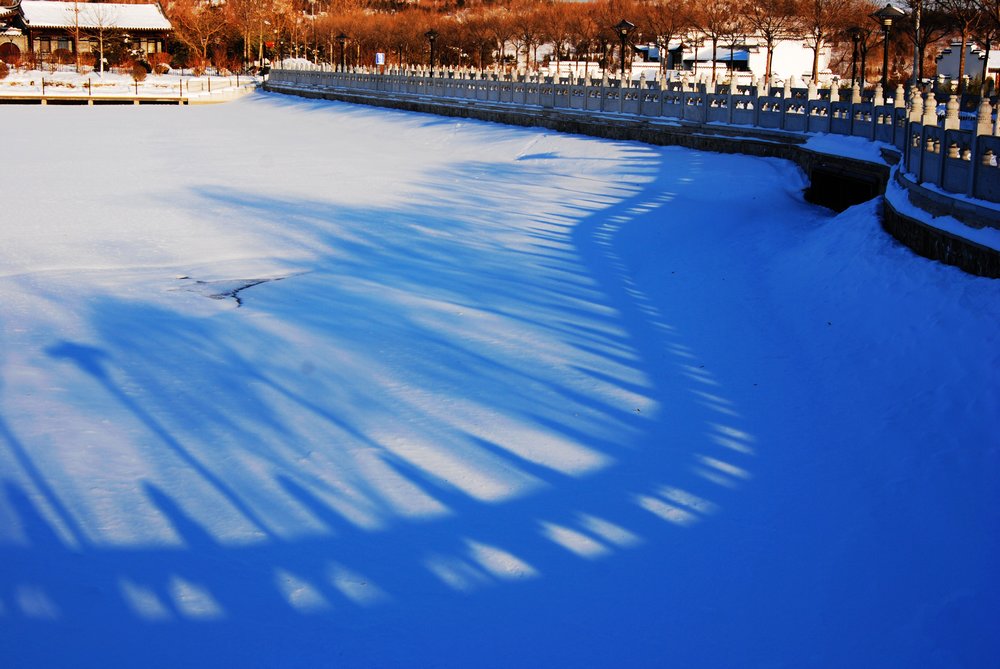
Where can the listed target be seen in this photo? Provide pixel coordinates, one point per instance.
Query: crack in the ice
(225, 289)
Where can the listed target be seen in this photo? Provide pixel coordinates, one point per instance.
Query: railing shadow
(435, 412)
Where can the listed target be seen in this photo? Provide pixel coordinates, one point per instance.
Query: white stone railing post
(951, 113)
(642, 92)
(916, 105)
(929, 117)
(877, 101)
(984, 117)
(984, 127)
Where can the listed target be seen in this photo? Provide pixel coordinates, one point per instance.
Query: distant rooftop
(51, 14)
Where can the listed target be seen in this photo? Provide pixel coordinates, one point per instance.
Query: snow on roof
(50, 14)
(705, 55)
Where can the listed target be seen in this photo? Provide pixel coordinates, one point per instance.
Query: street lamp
(342, 38)
(431, 36)
(312, 18)
(624, 29)
(886, 16)
(856, 38)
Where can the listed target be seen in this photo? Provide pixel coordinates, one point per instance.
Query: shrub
(198, 65)
(4, 70)
(161, 68)
(62, 56)
(161, 58)
(138, 72)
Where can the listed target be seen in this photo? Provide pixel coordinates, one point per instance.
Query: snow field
(288, 383)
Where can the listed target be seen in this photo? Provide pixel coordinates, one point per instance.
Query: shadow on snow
(437, 428)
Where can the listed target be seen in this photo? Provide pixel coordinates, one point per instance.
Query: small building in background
(747, 59)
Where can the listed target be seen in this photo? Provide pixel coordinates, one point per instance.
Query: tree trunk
(768, 48)
(983, 88)
(815, 67)
(961, 63)
(715, 46)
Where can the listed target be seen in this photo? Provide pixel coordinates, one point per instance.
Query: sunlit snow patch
(574, 541)
(355, 586)
(299, 593)
(194, 601)
(143, 601)
(34, 603)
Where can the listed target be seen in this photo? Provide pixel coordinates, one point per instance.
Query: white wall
(948, 61)
(791, 58)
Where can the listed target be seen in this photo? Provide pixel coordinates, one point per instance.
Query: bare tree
(500, 26)
(771, 21)
(963, 15)
(584, 32)
(986, 33)
(666, 21)
(821, 21)
(246, 17)
(197, 24)
(103, 21)
(75, 21)
(734, 36)
(607, 13)
(712, 18)
(925, 24)
(557, 27)
(527, 28)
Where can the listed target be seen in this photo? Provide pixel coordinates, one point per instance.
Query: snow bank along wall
(936, 156)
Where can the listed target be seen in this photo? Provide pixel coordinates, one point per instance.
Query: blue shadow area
(458, 433)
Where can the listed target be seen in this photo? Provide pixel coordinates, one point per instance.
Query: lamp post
(885, 17)
(312, 20)
(624, 29)
(918, 10)
(863, 48)
(431, 36)
(261, 53)
(342, 38)
(856, 38)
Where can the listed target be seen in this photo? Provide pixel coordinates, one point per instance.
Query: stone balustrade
(947, 161)
(955, 155)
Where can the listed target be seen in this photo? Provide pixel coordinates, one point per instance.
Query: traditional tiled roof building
(43, 27)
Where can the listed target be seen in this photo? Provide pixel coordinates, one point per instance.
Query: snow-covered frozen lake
(299, 384)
